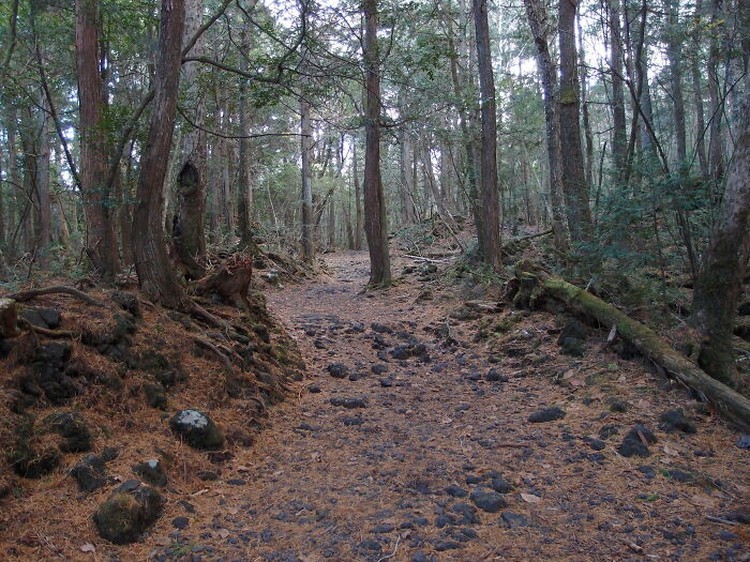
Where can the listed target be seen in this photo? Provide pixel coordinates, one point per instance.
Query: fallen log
(731, 404)
(23, 296)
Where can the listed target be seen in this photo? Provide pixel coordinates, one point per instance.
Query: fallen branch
(46, 331)
(32, 293)
(731, 404)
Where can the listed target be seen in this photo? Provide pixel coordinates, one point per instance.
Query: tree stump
(230, 281)
(8, 318)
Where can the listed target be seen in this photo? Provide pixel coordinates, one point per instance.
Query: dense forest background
(132, 128)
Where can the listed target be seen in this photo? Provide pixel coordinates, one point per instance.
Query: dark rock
(514, 520)
(127, 301)
(467, 512)
(738, 516)
(350, 421)
(675, 420)
(151, 472)
(572, 338)
(370, 546)
(156, 396)
(180, 522)
(743, 442)
(633, 444)
(681, 476)
(618, 406)
(207, 475)
(348, 402)
(547, 415)
(236, 482)
(197, 429)
(443, 545)
(494, 375)
(89, 473)
(30, 463)
(73, 429)
(379, 368)
(596, 444)
(41, 317)
(444, 519)
(383, 528)
(314, 389)
(128, 512)
(608, 431)
(420, 556)
(491, 502)
(500, 485)
(456, 491)
(385, 382)
(381, 328)
(338, 370)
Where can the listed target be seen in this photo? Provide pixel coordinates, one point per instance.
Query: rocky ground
(436, 422)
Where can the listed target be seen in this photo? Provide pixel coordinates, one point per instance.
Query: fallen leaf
(530, 498)
(88, 547)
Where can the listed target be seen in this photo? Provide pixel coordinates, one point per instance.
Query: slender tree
(376, 228)
(488, 230)
(580, 222)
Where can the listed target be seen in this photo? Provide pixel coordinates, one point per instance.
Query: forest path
(409, 440)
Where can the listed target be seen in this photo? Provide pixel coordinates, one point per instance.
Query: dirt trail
(409, 440)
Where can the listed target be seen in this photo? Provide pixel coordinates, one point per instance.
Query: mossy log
(732, 405)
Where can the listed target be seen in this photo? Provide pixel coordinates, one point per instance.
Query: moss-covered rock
(128, 512)
(197, 429)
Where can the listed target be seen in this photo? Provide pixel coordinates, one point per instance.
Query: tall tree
(719, 283)
(306, 146)
(155, 274)
(538, 17)
(488, 230)
(376, 228)
(101, 241)
(580, 222)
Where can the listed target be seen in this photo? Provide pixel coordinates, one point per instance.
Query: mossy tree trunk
(719, 283)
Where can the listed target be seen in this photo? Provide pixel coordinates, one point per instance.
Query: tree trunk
(674, 55)
(719, 283)
(580, 222)
(358, 219)
(191, 185)
(538, 21)
(101, 240)
(306, 147)
(155, 274)
(715, 143)
(488, 229)
(244, 189)
(376, 228)
(617, 64)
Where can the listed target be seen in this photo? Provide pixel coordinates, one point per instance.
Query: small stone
(236, 482)
(180, 522)
(547, 415)
(596, 444)
(743, 442)
(152, 472)
(494, 375)
(633, 442)
(380, 328)
(456, 491)
(379, 369)
(467, 512)
(500, 485)
(89, 473)
(491, 502)
(682, 476)
(72, 427)
(514, 520)
(350, 421)
(384, 528)
(207, 475)
(370, 545)
(675, 420)
(313, 389)
(442, 546)
(348, 402)
(338, 370)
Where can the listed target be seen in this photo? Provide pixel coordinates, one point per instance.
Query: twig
(720, 520)
(211, 347)
(392, 554)
(30, 294)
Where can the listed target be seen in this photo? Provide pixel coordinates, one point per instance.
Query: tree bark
(101, 240)
(376, 228)
(306, 147)
(488, 228)
(155, 274)
(719, 283)
(617, 64)
(580, 222)
(540, 28)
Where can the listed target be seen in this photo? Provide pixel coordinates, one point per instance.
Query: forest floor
(411, 439)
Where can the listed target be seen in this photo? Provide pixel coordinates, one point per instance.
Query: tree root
(33, 293)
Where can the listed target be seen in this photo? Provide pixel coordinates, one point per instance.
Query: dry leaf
(530, 498)
(88, 547)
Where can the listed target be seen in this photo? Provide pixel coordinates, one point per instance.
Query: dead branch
(33, 293)
(205, 344)
(46, 331)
